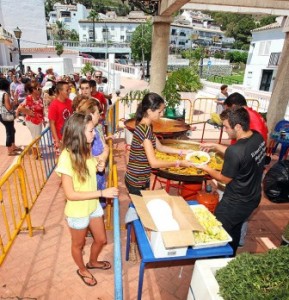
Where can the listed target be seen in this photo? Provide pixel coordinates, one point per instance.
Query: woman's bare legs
(97, 229)
(77, 244)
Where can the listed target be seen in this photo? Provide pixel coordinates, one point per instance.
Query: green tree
(73, 35)
(94, 16)
(88, 67)
(59, 49)
(60, 30)
(266, 20)
(237, 56)
(181, 80)
(238, 26)
(141, 43)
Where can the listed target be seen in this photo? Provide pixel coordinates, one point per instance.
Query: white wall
(72, 56)
(29, 16)
(258, 59)
(116, 30)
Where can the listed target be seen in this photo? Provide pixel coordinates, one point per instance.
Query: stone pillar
(280, 95)
(160, 52)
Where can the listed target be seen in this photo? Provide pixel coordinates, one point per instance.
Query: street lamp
(18, 33)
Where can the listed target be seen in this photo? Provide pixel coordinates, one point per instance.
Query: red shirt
(59, 112)
(37, 107)
(257, 123)
(100, 97)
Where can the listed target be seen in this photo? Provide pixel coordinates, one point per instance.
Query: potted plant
(256, 276)
(247, 276)
(131, 96)
(181, 80)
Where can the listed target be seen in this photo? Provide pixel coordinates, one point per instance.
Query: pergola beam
(271, 7)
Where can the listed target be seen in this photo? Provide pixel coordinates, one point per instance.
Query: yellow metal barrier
(20, 187)
(109, 184)
(15, 208)
(203, 107)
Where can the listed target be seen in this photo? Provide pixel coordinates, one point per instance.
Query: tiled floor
(41, 267)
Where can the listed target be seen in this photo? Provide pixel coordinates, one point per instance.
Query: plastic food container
(198, 158)
(212, 243)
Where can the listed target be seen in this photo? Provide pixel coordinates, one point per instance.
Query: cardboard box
(167, 243)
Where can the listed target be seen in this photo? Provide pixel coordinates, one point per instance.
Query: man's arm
(213, 146)
(216, 174)
(54, 134)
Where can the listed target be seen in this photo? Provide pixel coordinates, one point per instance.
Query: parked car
(85, 55)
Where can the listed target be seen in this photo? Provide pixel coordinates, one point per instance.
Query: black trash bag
(276, 182)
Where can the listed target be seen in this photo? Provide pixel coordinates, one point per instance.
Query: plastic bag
(276, 182)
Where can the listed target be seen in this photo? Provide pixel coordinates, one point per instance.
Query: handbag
(6, 115)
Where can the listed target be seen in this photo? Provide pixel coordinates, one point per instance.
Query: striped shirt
(138, 168)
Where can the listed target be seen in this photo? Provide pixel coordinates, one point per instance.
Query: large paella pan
(186, 174)
(163, 127)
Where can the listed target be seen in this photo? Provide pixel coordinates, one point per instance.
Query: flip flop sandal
(106, 265)
(14, 153)
(18, 149)
(84, 277)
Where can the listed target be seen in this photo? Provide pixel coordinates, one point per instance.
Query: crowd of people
(36, 98)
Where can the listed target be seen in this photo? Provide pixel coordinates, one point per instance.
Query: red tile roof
(47, 50)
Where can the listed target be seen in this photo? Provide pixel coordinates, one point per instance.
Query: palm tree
(60, 29)
(94, 16)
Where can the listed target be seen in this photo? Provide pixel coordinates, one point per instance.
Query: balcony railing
(274, 59)
(89, 44)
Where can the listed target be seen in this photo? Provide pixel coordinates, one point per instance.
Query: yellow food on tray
(213, 228)
(198, 159)
(215, 163)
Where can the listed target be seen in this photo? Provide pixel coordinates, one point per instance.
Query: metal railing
(129, 70)
(203, 107)
(20, 187)
(118, 290)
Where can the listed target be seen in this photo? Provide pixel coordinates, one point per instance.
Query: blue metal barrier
(47, 151)
(118, 292)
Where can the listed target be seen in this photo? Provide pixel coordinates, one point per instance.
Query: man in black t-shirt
(242, 172)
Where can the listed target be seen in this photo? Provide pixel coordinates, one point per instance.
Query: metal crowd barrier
(203, 107)
(20, 187)
(118, 290)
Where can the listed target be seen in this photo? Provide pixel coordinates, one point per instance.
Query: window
(264, 48)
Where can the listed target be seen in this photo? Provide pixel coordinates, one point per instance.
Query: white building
(113, 28)
(68, 14)
(29, 16)
(264, 53)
